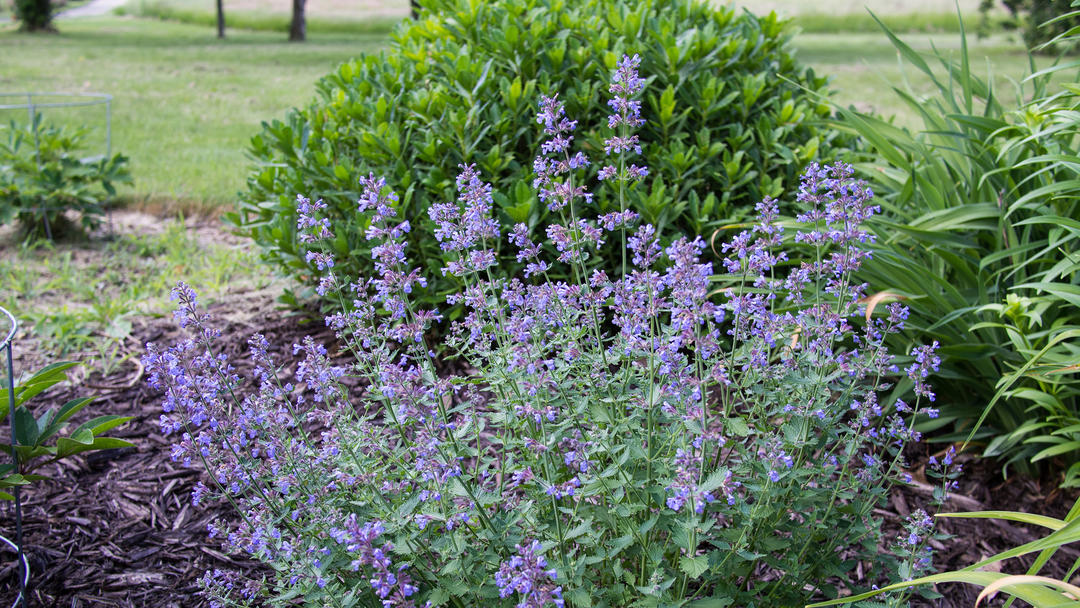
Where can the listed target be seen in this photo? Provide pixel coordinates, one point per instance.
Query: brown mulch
(982, 488)
(116, 528)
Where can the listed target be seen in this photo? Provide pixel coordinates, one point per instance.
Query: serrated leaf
(438, 596)
(714, 480)
(694, 566)
(736, 426)
(580, 529)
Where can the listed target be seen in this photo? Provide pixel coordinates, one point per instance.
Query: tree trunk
(298, 27)
(34, 15)
(220, 19)
(414, 9)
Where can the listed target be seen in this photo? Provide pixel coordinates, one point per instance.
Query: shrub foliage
(729, 123)
(1040, 21)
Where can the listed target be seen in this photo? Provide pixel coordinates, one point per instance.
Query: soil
(116, 528)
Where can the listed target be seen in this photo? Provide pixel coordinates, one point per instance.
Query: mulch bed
(116, 528)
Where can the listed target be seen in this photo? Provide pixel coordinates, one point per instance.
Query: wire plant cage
(33, 103)
(12, 325)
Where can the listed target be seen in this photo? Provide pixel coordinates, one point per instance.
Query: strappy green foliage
(982, 239)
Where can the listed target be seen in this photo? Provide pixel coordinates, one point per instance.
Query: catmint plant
(679, 433)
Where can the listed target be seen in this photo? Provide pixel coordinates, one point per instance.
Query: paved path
(94, 8)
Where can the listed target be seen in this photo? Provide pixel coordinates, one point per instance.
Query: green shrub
(982, 239)
(42, 176)
(728, 119)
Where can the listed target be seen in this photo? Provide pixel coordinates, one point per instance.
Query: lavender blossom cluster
(668, 434)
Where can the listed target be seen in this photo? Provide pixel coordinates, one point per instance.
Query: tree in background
(298, 27)
(35, 15)
(1031, 16)
(220, 19)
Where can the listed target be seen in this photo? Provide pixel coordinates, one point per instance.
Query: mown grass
(258, 22)
(273, 15)
(185, 102)
(865, 68)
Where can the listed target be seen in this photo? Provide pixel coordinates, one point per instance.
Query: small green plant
(728, 122)
(1044, 338)
(38, 441)
(42, 176)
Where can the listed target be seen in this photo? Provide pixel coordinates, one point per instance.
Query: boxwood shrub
(727, 119)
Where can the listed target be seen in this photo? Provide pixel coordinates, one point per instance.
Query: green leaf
(711, 602)
(694, 566)
(580, 597)
(714, 480)
(26, 427)
(1024, 518)
(99, 443)
(68, 410)
(43, 379)
(438, 596)
(102, 424)
(667, 104)
(580, 529)
(736, 426)
(1055, 450)
(1038, 596)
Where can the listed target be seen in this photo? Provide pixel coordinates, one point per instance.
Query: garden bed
(116, 528)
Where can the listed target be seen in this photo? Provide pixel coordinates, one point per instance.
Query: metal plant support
(17, 545)
(32, 106)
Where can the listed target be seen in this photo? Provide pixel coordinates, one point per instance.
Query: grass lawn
(348, 10)
(865, 67)
(185, 103)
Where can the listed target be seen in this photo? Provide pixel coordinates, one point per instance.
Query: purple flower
(463, 226)
(311, 228)
(926, 361)
(625, 83)
(527, 575)
(554, 180)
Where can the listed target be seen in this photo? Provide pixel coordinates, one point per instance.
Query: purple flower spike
(626, 116)
(555, 160)
(467, 224)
